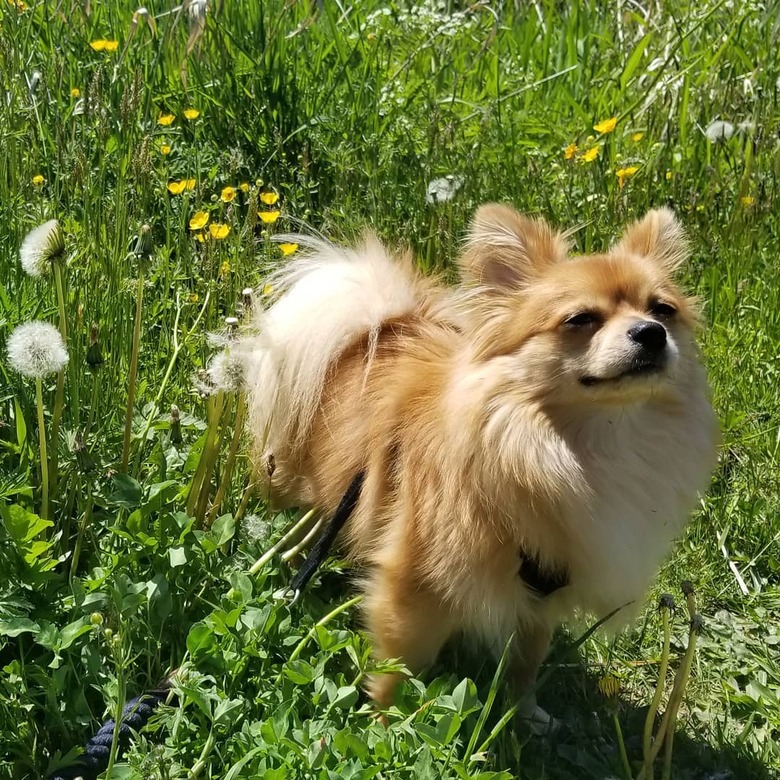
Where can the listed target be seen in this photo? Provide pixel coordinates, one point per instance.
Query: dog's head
(611, 328)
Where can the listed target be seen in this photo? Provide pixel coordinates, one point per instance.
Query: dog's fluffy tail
(322, 302)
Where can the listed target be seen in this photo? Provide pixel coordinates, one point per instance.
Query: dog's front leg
(406, 621)
(529, 650)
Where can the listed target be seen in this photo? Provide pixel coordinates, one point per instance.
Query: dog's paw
(538, 721)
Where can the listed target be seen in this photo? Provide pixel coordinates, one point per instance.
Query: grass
(348, 112)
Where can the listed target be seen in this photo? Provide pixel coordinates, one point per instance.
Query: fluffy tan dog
(532, 441)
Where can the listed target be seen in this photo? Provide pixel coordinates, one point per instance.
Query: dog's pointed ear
(659, 236)
(505, 249)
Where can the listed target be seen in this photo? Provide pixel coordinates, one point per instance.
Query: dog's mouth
(637, 369)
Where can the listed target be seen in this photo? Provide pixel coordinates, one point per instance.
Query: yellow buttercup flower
(269, 198)
(38, 180)
(623, 174)
(176, 187)
(104, 45)
(191, 113)
(747, 200)
(165, 119)
(165, 149)
(269, 217)
(244, 186)
(75, 92)
(199, 220)
(637, 137)
(591, 154)
(228, 194)
(288, 249)
(224, 269)
(18, 5)
(194, 297)
(606, 125)
(201, 237)
(669, 175)
(219, 230)
(570, 151)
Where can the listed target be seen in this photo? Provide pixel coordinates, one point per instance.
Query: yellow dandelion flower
(193, 298)
(269, 217)
(176, 187)
(637, 137)
(268, 289)
(219, 230)
(224, 269)
(591, 154)
(269, 198)
(165, 119)
(609, 685)
(570, 151)
(18, 5)
(191, 113)
(75, 92)
(606, 125)
(165, 149)
(38, 180)
(244, 186)
(747, 200)
(623, 174)
(199, 220)
(668, 175)
(228, 194)
(190, 184)
(288, 249)
(104, 45)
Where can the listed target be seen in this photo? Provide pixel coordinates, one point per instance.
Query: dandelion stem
(670, 716)
(323, 622)
(291, 532)
(42, 445)
(621, 745)
(290, 553)
(139, 298)
(227, 472)
(59, 394)
(85, 523)
(221, 409)
(662, 670)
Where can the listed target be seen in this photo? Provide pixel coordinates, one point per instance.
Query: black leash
(319, 552)
(135, 715)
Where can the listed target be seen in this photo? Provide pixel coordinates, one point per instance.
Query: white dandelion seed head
(443, 190)
(36, 349)
(256, 528)
(202, 384)
(40, 245)
(719, 131)
(226, 371)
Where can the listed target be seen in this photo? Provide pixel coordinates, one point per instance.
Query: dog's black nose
(651, 335)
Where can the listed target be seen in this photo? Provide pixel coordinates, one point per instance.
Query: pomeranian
(530, 442)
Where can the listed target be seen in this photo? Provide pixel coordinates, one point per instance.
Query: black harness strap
(542, 581)
(319, 552)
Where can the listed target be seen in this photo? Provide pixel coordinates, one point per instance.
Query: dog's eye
(660, 309)
(581, 319)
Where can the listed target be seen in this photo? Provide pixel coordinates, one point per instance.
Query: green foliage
(347, 113)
